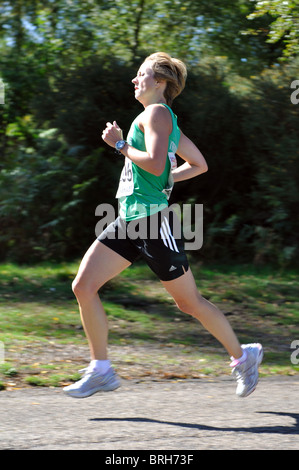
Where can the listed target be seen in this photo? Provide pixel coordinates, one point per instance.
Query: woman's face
(145, 84)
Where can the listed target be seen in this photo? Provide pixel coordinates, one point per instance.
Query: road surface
(165, 415)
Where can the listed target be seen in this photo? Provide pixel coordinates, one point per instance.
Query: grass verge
(44, 344)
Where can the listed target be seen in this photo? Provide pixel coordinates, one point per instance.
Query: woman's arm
(195, 164)
(156, 125)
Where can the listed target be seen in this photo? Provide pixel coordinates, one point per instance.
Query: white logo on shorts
(167, 236)
(172, 268)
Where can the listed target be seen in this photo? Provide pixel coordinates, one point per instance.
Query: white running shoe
(246, 372)
(92, 382)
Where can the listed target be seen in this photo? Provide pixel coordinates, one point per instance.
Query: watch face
(120, 144)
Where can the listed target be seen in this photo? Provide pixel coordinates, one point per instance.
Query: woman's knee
(185, 306)
(83, 288)
(189, 305)
(76, 287)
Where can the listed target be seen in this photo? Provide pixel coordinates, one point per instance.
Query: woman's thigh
(184, 291)
(99, 265)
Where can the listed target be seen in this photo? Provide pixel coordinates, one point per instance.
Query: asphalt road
(180, 416)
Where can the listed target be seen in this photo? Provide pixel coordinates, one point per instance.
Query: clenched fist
(112, 134)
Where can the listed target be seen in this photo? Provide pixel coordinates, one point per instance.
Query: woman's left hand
(112, 134)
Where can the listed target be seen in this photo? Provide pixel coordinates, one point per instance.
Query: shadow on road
(202, 427)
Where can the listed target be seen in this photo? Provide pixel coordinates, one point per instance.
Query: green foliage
(284, 25)
(273, 121)
(250, 140)
(67, 71)
(49, 197)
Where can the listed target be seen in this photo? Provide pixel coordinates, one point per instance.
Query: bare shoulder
(155, 115)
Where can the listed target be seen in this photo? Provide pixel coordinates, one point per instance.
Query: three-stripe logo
(167, 237)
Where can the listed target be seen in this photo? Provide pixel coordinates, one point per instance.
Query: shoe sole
(104, 388)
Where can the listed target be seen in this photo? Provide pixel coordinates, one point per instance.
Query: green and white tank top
(141, 193)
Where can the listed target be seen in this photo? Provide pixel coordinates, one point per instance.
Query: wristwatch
(120, 145)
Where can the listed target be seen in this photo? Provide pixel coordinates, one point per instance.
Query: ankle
(239, 360)
(101, 366)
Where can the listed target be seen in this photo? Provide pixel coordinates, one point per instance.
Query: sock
(239, 360)
(100, 366)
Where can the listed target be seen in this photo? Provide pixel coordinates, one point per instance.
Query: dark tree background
(66, 68)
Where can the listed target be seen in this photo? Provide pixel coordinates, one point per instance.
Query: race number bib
(173, 160)
(126, 182)
(173, 166)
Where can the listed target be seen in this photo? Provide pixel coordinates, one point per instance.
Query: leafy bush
(56, 170)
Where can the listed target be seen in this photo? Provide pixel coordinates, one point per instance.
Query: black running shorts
(156, 238)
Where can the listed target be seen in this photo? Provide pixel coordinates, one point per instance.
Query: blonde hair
(172, 70)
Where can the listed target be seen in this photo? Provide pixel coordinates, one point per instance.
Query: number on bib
(126, 182)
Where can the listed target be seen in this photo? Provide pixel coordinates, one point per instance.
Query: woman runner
(146, 181)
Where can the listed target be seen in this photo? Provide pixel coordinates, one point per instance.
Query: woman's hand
(112, 134)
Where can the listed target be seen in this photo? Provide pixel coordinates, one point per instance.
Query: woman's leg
(99, 265)
(189, 300)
